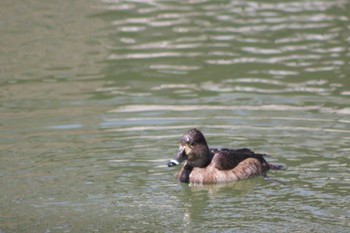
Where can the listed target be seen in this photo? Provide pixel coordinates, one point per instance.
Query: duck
(206, 165)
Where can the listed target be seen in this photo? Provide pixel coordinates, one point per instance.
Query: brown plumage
(208, 166)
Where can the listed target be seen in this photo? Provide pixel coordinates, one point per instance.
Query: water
(95, 95)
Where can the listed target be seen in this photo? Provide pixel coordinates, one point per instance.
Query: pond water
(96, 94)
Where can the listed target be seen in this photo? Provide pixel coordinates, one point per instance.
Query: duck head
(193, 148)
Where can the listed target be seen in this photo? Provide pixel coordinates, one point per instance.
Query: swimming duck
(210, 166)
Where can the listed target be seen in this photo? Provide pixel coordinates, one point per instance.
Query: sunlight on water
(95, 96)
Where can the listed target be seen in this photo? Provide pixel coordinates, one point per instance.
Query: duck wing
(226, 159)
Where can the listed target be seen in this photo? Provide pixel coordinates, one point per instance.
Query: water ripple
(151, 55)
(143, 108)
(306, 35)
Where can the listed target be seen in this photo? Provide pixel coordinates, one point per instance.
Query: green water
(96, 94)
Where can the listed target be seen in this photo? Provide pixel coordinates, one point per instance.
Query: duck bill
(180, 157)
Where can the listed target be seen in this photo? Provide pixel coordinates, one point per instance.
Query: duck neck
(208, 158)
(203, 157)
(185, 174)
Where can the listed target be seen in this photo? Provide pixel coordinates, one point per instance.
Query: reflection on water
(95, 95)
(295, 37)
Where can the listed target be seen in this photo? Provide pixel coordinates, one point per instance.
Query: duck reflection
(197, 198)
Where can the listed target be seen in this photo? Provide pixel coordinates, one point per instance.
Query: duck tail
(276, 167)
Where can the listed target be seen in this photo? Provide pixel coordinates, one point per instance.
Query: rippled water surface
(95, 95)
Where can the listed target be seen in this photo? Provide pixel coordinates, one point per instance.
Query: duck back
(226, 159)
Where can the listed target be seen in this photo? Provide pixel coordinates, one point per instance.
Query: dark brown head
(193, 148)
